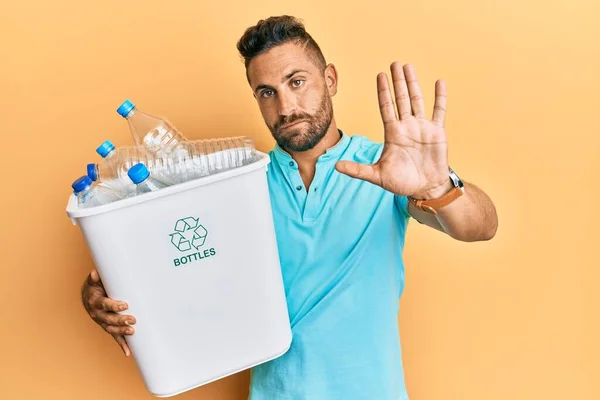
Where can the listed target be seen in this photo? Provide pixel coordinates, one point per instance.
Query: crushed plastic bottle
(200, 158)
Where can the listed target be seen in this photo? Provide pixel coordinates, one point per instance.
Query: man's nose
(287, 104)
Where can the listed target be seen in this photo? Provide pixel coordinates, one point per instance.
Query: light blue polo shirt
(340, 245)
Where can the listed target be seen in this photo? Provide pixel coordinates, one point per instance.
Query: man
(341, 206)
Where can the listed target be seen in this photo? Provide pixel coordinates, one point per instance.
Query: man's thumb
(357, 170)
(94, 278)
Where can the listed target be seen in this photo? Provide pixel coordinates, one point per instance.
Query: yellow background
(514, 318)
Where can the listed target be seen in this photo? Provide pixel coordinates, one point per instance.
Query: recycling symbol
(188, 233)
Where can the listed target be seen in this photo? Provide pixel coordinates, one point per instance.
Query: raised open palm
(414, 161)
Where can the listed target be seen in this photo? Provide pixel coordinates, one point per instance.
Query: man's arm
(414, 159)
(470, 218)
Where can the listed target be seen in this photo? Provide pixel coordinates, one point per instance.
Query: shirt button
(291, 163)
(298, 187)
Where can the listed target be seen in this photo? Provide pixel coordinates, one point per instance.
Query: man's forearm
(471, 217)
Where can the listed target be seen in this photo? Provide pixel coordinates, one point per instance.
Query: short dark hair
(274, 31)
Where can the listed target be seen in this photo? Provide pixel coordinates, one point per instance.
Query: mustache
(290, 119)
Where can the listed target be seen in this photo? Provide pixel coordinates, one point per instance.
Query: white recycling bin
(198, 265)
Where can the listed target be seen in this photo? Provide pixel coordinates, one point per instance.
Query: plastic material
(138, 173)
(199, 158)
(105, 148)
(198, 265)
(144, 183)
(156, 134)
(90, 195)
(126, 108)
(81, 184)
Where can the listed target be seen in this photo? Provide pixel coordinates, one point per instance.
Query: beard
(305, 137)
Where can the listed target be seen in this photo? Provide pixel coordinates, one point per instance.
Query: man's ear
(331, 79)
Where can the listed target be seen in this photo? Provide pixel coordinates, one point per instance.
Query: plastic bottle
(90, 195)
(200, 158)
(157, 135)
(112, 170)
(210, 156)
(140, 176)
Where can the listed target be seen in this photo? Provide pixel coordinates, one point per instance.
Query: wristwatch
(430, 206)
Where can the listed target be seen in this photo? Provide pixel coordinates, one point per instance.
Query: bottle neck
(84, 191)
(110, 154)
(144, 180)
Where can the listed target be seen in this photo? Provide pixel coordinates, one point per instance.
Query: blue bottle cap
(91, 172)
(105, 148)
(81, 184)
(126, 108)
(138, 173)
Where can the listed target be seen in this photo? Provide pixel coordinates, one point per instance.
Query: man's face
(294, 95)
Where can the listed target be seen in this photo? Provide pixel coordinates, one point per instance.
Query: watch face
(455, 179)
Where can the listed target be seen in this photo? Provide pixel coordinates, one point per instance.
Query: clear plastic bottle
(90, 195)
(112, 170)
(200, 158)
(157, 135)
(210, 156)
(140, 176)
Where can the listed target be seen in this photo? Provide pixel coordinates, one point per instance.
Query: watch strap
(430, 206)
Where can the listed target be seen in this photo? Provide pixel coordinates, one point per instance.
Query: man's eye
(266, 93)
(297, 83)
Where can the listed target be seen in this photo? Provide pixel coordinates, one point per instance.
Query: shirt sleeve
(402, 205)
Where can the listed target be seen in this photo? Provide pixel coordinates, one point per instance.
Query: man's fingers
(384, 96)
(439, 107)
(124, 346)
(93, 278)
(401, 91)
(118, 330)
(108, 304)
(416, 98)
(364, 172)
(110, 318)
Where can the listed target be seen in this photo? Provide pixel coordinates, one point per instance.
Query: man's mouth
(290, 125)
